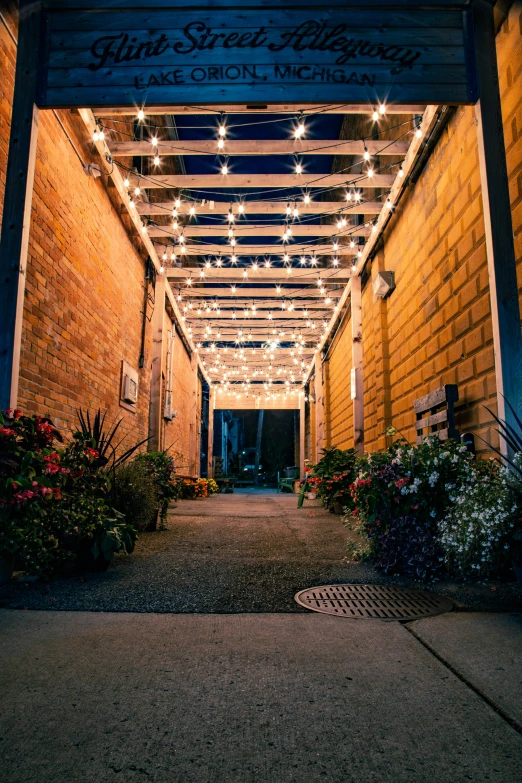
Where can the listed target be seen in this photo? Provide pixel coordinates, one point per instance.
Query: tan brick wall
(436, 326)
(339, 407)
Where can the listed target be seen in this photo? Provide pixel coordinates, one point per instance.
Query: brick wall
(436, 326)
(338, 409)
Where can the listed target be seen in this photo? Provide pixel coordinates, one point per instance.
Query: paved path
(228, 695)
(246, 552)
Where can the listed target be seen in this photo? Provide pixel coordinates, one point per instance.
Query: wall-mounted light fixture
(383, 284)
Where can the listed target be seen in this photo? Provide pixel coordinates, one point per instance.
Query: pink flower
(46, 491)
(7, 432)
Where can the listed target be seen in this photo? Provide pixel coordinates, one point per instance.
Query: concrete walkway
(251, 697)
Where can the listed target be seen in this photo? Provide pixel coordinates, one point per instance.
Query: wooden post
(505, 311)
(357, 365)
(156, 381)
(319, 406)
(14, 242)
(302, 415)
(210, 448)
(193, 426)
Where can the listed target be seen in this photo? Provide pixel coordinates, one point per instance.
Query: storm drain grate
(365, 602)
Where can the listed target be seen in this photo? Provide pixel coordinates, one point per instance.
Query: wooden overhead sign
(129, 53)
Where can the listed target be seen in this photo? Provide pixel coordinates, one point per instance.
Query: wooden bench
(440, 421)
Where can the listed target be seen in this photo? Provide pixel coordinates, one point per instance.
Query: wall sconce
(383, 284)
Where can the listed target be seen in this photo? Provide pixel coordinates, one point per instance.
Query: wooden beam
(280, 181)
(319, 403)
(357, 365)
(243, 230)
(261, 275)
(18, 194)
(278, 315)
(235, 147)
(503, 287)
(301, 435)
(263, 108)
(261, 250)
(229, 401)
(156, 381)
(258, 207)
(302, 297)
(210, 446)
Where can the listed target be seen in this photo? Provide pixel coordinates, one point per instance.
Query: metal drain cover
(365, 602)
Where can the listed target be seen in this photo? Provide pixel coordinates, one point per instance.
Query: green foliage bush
(135, 494)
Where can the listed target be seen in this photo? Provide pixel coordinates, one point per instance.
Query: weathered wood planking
(259, 147)
(255, 52)
(199, 181)
(259, 207)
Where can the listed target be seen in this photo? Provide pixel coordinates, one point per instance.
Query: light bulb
(370, 173)
(366, 155)
(221, 144)
(298, 169)
(302, 261)
(95, 135)
(296, 212)
(141, 114)
(154, 141)
(241, 209)
(267, 264)
(401, 171)
(375, 115)
(222, 130)
(335, 262)
(137, 191)
(156, 160)
(418, 132)
(348, 197)
(192, 210)
(177, 203)
(306, 198)
(224, 169)
(126, 183)
(388, 203)
(288, 209)
(382, 109)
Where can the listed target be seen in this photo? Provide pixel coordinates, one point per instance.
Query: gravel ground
(246, 552)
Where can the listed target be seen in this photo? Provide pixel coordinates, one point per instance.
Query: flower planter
(337, 507)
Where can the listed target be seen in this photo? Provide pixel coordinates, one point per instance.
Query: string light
(401, 171)
(300, 129)
(141, 114)
(298, 168)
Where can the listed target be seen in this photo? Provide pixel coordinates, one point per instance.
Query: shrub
(160, 467)
(135, 494)
(478, 533)
(212, 487)
(398, 497)
(53, 500)
(333, 476)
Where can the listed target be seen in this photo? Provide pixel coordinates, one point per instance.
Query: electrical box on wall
(130, 390)
(129, 387)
